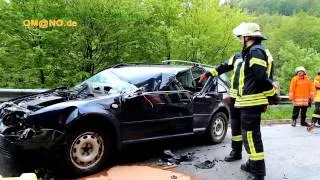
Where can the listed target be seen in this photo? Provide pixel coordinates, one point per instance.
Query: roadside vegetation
(118, 31)
(282, 112)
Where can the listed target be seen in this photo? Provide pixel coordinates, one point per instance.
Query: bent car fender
(221, 108)
(106, 117)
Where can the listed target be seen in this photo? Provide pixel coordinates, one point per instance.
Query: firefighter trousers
(250, 130)
(316, 113)
(296, 110)
(236, 140)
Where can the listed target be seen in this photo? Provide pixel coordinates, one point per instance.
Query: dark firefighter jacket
(235, 63)
(255, 77)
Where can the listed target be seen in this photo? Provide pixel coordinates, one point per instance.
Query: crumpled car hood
(18, 112)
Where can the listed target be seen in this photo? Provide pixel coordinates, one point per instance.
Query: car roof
(138, 71)
(139, 74)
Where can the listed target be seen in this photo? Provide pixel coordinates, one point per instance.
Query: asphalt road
(290, 153)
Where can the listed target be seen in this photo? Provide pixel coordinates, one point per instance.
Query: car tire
(217, 128)
(87, 150)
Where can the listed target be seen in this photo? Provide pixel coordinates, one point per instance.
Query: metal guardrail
(6, 94)
(284, 100)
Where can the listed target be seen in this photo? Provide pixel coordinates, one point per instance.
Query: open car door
(205, 101)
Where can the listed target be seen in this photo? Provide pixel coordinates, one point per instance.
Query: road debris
(174, 177)
(205, 165)
(169, 167)
(171, 158)
(284, 176)
(218, 160)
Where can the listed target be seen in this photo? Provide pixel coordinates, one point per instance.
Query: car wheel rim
(218, 128)
(87, 150)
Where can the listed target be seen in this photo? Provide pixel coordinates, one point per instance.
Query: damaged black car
(124, 104)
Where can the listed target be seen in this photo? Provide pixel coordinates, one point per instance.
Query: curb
(278, 121)
(273, 122)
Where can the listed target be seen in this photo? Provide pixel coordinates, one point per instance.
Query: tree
(107, 33)
(293, 56)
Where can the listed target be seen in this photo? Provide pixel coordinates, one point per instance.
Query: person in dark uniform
(252, 88)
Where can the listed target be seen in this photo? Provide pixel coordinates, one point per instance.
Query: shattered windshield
(108, 79)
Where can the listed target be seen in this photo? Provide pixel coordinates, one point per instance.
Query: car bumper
(13, 146)
(7, 148)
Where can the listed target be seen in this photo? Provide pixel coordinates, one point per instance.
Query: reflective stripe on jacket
(270, 68)
(301, 90)
(254, 82)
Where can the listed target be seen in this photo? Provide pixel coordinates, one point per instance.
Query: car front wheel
(87, 150)
(217, 128)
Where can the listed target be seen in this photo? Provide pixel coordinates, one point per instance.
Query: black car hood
(20, 109)
(37, 101)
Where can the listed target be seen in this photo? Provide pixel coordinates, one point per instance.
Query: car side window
(218, 86)
(221, 87)
(213, 87)
(196, 72)
(177, 92)
(186, 80)
(174, 85)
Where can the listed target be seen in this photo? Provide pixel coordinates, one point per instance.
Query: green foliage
(293, 56)
(108, 32)
(204, 32)
(292, 45)
(283, 7)
(282, 112)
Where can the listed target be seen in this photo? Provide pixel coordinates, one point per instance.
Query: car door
(158, 114)
(204, 103)
(179, 107)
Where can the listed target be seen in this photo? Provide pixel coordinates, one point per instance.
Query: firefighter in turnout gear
(251, 90)
(254, 91)
(234, 63)
(316, 113)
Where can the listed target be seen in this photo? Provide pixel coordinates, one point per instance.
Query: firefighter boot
(255, 177)
(294, 122)
(304, 123)
(246, 167)
(233, 156)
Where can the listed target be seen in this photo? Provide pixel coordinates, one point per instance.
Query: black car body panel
(139, 103)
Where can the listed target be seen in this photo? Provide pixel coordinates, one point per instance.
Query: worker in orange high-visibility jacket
(301, 94)
(316, 113)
